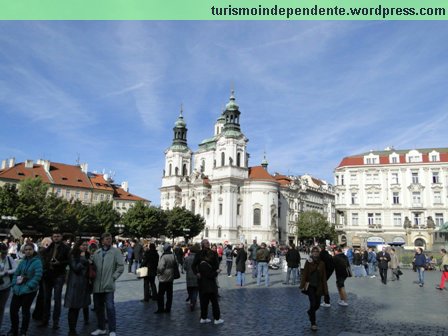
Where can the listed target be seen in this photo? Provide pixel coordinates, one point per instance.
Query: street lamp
(186, 234)
(120, 228)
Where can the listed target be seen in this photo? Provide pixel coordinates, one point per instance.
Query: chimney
(3, 164)
(29, 164)
(125, 186)
(84, 168)
(46, 164)
(12, 162)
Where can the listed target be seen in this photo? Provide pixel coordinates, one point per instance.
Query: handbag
(176, 273)
(399, 272)
(142, 272)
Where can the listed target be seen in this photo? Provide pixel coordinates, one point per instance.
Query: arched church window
(231, 118)
(223, 159)
(176, 171)
(238, 160)
(170, 170)
(202, 166)
(193, 206)
(219, 232)
(257, 216)
(206, 231)
(184, 170)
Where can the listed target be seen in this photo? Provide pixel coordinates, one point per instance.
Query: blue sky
(310, 93)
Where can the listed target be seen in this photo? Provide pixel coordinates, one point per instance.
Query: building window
(257, 216)
(208, 211)
(439, 219)
(176, 171)
(355, 219)
(434, 157)
(86, 196)
(353, 179)
(206, 232)
(378, 219)
(220, 189)
(437, 197)
(170, 169)
(238, 160)
(415, 177)
(341, 199)
(435, 177)
(370, 220)
(102, 197)
(372, 178)
(238, 208)
(77, 195)
(373, 197)
(95, 197)
(416, 198)
(354, 198)
(59, 192)
(193, 206)
(223, 159)
(395, 197)
(342, 179)
(219, 232)
(220, 208)
(394, 178)
(184, 170)
(202, 165)
(394, 159)
(397, 219)
(417, 218)
(67, 194)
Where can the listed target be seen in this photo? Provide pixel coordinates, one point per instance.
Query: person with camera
(25, 284)
(55, 262)
(7, 269)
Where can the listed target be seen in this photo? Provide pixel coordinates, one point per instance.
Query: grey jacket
(192, 278)
(77, 294)
(109, 267)
(165, 268)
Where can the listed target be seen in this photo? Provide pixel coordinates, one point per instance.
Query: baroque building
(392, 196)
(238, 202)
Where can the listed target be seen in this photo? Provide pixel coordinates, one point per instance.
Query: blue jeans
(53, 285)
(294, 272)
(421, 275)
(371, 269)
(105, 299)
(262, 268)
(240, 279)
(254, 268)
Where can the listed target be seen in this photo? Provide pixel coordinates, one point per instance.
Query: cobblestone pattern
(398, 308)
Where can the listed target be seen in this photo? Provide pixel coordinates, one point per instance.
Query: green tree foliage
(30, 211)
(314, 225)
(144, 221)
(9, 200)
(106, 216)
(182, 222)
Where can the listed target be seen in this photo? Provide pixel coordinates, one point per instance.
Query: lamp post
(119, 227)
(186, 234)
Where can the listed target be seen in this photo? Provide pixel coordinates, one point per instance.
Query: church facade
(239, 203)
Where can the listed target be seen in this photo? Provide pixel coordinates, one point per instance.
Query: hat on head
(167, 247)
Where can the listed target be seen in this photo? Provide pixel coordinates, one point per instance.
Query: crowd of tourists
(90, 268)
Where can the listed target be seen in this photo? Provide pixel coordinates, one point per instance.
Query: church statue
(407, 223)
(430, 223)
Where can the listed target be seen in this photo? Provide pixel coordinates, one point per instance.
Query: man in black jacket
(383, 263)
(293, 261)
(55, 261)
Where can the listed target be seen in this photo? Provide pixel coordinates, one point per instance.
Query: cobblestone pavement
(398, 308)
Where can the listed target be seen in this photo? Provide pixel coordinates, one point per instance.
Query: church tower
(177, 165)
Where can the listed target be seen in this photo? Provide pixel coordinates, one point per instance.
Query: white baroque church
(238, 202)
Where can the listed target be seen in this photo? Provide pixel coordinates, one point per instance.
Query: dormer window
(394, 158)
(434, 156)
(414, 156)
(371, 159)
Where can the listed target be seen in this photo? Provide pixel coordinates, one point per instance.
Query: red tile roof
(259, 173)
(358, 160)
(98, 182)
(19, 173)
(122, 195)
(282, 179)
(69, 175)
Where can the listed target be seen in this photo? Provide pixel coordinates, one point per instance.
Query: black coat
(328, 260)
(341, 264)
(383, 259)
(151, 260)
(62, 254)
(241, 258)
(78, 290)
(293, 258)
